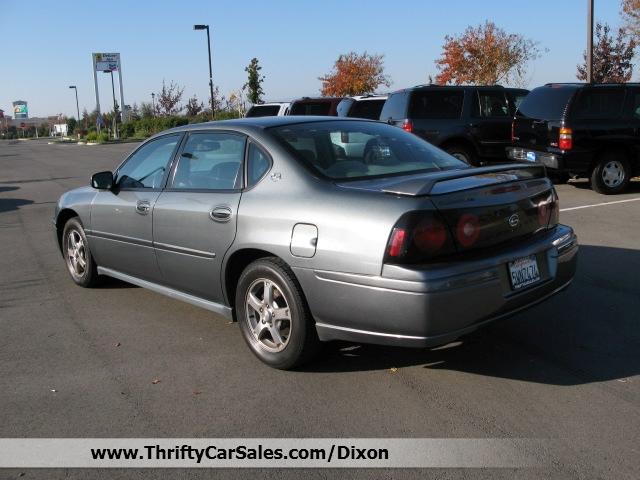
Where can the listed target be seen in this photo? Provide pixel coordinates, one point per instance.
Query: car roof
(596, 85)
(360, 98)
(264, 122)
(269, 104)
(317, 99)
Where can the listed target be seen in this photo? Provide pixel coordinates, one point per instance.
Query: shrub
(92, 136)
(103, 137)
(127, 130)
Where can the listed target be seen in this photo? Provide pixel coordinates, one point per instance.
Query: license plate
(524, 272)
(531, 156)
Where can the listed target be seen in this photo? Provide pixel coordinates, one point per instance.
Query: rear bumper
(434, 305)
(572, 162)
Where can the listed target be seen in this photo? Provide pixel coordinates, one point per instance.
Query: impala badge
(514, 220)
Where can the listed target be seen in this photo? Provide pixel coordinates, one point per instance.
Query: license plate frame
(523, 272)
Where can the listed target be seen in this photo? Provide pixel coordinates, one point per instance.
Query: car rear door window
(367, 109)
(546, 103)
(210, 161)
(263, 111)
(258, 163)
(491, 104)
(147, 166)
(600, 103)
(444, 104)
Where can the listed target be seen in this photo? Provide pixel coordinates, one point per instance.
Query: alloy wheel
(613, 174)
(268, 315)
(76, 254)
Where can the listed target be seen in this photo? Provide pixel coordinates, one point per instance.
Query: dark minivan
(472, 123)
(581, 130)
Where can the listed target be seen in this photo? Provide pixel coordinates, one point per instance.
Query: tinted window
(370, 109)
(310, 108)
(491, 104)
(546, 103)
(263, 111)
(395, 107)
(210, 161)
(598, 103)
(436, 104)
(343, 107)
(386, 150)
(257, 164)
(635, 107)
(146, 167)
(518, 98)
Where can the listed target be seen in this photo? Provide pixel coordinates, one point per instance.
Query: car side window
(430, 104)
(210, 161)
(635, 104)
(599, 103)
(258, 163)
(491, 105)
(147, 166)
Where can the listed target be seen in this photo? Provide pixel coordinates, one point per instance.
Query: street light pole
(77, 106)
(589, 41)
(153, 104)
(206, 27)
(115, 113)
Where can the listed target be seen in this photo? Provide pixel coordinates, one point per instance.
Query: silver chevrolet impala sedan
(308, 229)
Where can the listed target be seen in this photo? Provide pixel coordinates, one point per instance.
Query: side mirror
(102, 180)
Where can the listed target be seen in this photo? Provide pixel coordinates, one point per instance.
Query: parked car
(471, 123)
(324, 106)
(271, 109)
(583, 130)
(262, 221)
(363, 106)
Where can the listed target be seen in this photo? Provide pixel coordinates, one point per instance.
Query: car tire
(273, 315)
(611, 174)
(77, 254)
(462, 153)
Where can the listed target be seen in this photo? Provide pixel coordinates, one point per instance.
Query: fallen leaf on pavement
(393, 369)
(155, 381)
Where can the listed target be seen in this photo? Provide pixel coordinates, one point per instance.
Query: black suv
(470, 122)
(585, 130)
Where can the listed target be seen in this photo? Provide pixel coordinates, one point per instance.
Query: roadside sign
(106, 62)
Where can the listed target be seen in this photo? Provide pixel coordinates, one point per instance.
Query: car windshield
(349, 150)
(263, 111)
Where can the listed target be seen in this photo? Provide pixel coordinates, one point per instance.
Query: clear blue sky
(47, 45)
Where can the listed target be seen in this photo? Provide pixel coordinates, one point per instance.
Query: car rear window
(367, 109)
(546, 103)
(395, 107)
(310, 108)
(436, 104)
(263, 111)
(598, 103)
(349, 150)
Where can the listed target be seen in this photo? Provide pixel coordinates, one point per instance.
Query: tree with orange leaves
(355, 74)
(485, 55)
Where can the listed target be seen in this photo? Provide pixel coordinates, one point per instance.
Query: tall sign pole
(589, 41)
(95, 81)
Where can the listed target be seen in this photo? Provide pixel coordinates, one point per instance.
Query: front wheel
(611, 174)
(77, 255)
(273, 315)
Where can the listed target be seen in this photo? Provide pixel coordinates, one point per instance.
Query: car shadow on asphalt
(584, 184)
(588, 333)
(10, 204)
(110, 283)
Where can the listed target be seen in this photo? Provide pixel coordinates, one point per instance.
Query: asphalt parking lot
(81, 363)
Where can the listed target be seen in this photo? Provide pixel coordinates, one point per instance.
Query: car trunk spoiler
(456, 180)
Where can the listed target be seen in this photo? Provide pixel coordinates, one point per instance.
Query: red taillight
(565, 140)
(468, 230)
(407, 126)
(549, 211)
(543, 213)
(396, 242)
(430, 235)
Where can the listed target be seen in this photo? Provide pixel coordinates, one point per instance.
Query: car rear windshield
(436, 104)
(349, 150)
(263, 111)
(310, 108)
(367, 109)
(546, 103)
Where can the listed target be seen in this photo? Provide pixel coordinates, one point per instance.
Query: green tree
(71, 125)
(611, 58)
(254, 82)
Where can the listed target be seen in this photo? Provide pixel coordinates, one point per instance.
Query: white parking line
(600, 204)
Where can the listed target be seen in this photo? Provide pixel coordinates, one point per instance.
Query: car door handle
(143, 207)
(220, 214)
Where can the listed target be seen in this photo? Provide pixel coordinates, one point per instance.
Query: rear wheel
(611, 174)
(273, 315)
(77, 254)
(462, 153)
